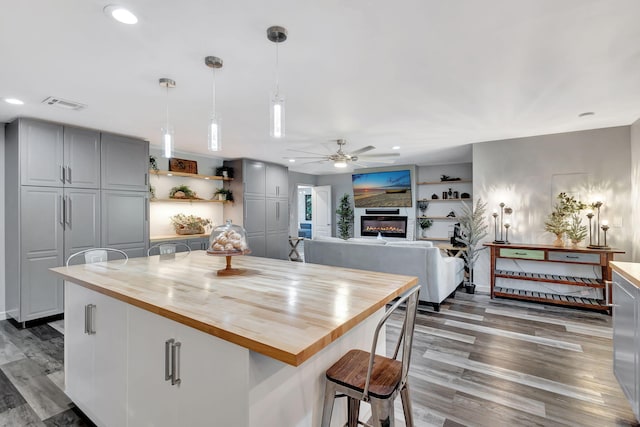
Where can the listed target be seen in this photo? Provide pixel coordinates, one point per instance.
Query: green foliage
(228, 194)
(153, 163)
(188, 193)
(345, 217)
(425, 223)
(473, 229)
(558, 221)
(576, 231)
(181, 221)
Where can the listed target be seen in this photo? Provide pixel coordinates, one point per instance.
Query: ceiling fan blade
(306, 157)
(362, 150)
(367, 156)
(367, 160)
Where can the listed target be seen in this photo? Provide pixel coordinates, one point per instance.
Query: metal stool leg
(406, 405)
(327, 408)
(353, 409)
(382, 412)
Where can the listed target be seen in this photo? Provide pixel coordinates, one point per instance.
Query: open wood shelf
(439, 217)
(550, 278)
(189, 200)
(189, 175)
(545, 297)
(460, 181)
(435, 239)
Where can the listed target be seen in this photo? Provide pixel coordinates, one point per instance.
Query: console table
(598, 258)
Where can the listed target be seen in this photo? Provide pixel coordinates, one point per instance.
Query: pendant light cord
(213, 93)
(167, 107)
(277, 71)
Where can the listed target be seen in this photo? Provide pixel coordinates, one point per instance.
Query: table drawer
(576, 257)
(522, 253)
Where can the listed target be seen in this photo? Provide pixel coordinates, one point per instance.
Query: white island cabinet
(626, 337)
(167, 342)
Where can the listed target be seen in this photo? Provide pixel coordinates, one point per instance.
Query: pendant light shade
(214, 135)
(277, 35)
(167, 130)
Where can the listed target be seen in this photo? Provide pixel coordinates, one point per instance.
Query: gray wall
(635, 187)
(2, 249)
(528, 173)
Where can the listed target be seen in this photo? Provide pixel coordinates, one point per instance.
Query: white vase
(424, 233)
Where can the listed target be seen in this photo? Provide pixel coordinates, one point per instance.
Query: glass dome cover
(228, 239)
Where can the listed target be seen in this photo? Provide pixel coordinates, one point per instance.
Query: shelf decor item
(504, 223)
(576, 232)
(224, 194)
(422, 206)
(228, 240)
(558, 221)
(182, 192)
(446, 178)
(594, 242)
(153, 164)
(182, 165)
(425, 224)
(189, 224)
(224, 171)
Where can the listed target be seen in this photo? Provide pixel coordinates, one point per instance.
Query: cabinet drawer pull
(175, 363)
(572, 257)
(167, 363)
(520, 253)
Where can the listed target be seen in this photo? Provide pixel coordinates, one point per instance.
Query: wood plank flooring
(483, 362)
(479, 362)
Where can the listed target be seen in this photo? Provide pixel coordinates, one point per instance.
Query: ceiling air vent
(63, 103)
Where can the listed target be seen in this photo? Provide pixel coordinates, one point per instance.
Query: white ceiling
(431, 76)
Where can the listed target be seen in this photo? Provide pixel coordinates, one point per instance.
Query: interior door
(321, 210)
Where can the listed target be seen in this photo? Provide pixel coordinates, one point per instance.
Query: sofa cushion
(410, 243)
(329, 239)
(367, 241)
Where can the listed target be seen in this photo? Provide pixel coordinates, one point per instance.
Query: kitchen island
(166, 341)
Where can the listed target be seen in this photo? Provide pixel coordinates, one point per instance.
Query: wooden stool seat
(351, 371)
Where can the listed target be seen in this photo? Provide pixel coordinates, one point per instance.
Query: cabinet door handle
(168, 375)
(175, 363)
(89, 327)
(92, 328)
(146, 179)
(62, 173)
(86, 319)
(67, 210)
(68, 174)
(61, 201)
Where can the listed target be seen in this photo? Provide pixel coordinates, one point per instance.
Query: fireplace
(388, 226)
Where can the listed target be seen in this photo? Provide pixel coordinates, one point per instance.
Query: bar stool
(368, 377)
(167, 248)
(97, 255)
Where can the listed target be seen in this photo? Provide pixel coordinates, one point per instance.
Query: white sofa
(439, 276)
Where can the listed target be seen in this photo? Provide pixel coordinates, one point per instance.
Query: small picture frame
(182, 165)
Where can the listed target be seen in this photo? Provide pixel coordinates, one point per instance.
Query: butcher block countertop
(628, 270)
(286, 310)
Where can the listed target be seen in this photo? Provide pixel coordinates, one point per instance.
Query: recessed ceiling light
(292, 160)
(121, 14)
(395, 147)
(586, 113)
(13, 101)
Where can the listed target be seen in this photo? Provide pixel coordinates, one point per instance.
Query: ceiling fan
(341, 158)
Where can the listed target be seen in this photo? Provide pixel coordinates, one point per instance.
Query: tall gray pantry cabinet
(261, 206)
(56, 203)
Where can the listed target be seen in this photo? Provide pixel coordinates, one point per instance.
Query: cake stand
(228, 270)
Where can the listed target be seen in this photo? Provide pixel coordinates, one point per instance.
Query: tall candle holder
(495, 226)
(500, 240)
(506, 226)
(597, 205)
(590, 216)
(605, 228)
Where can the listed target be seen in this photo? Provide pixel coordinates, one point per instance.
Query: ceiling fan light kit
(167, 130)
(342, 159)
(277, 35)
(214, 135)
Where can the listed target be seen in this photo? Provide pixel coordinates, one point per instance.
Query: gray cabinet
(54, 155)
(262, 206)
(626, 342)
(125, 221)
(125, 163)
(54, 207)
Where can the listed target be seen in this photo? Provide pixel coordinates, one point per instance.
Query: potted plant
(153, 164)
(224, 171)
(558, 221)
(345, 217)
(182, 192)
(473, 229)
(224, 194)
(189, 224)
(425, 224)
(576, 232)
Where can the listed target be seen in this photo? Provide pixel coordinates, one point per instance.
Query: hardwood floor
(483, 362)
(479, 362)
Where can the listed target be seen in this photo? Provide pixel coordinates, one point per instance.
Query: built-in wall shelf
(460, 181)
(444, 200)
(451, 218)
(188, 200)
(189, 175)
(435, 239)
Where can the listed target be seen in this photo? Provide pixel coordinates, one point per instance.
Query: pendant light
(167, 130)
(214, 135)
(276, 106)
